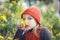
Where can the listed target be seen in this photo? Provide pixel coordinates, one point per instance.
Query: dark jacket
(44, 34)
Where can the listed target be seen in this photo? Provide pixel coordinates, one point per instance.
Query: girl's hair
(38, 27)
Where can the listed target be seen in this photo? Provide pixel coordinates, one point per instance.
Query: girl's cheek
(32, 23)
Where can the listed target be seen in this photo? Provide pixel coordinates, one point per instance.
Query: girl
(33, 30)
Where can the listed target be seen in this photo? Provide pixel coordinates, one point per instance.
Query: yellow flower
(23, 22)
(14, 2)
(58, 34)
(59, 21)
(9, 38)
(4, 18)
(3, 25)
(1, 37)
(51, 25)
(52, 9)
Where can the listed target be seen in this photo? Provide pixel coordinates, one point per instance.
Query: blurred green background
(11, 10)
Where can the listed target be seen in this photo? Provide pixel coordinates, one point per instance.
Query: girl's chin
(28, 28)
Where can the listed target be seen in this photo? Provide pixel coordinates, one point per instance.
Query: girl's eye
(29, 18)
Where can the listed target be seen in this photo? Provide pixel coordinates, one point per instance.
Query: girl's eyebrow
(30, 16)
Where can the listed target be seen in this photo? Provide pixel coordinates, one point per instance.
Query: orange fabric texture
(34, 12)
(32, 36)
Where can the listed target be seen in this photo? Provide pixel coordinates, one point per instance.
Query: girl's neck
(35, 30)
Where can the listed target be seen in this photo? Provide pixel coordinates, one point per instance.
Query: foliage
(50, 21)
(9, 19)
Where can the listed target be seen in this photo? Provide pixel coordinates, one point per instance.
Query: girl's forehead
(27, 15)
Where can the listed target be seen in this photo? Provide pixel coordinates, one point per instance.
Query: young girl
(33, 30)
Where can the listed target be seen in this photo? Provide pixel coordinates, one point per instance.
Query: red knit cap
(34, 12)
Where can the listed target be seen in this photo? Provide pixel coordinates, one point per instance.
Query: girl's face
(30, 21)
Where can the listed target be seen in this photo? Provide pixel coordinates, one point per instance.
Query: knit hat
(34, 12)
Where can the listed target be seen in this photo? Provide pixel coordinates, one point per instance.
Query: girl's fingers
(21, 26)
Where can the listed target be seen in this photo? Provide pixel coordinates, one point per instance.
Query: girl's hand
(21, 26)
